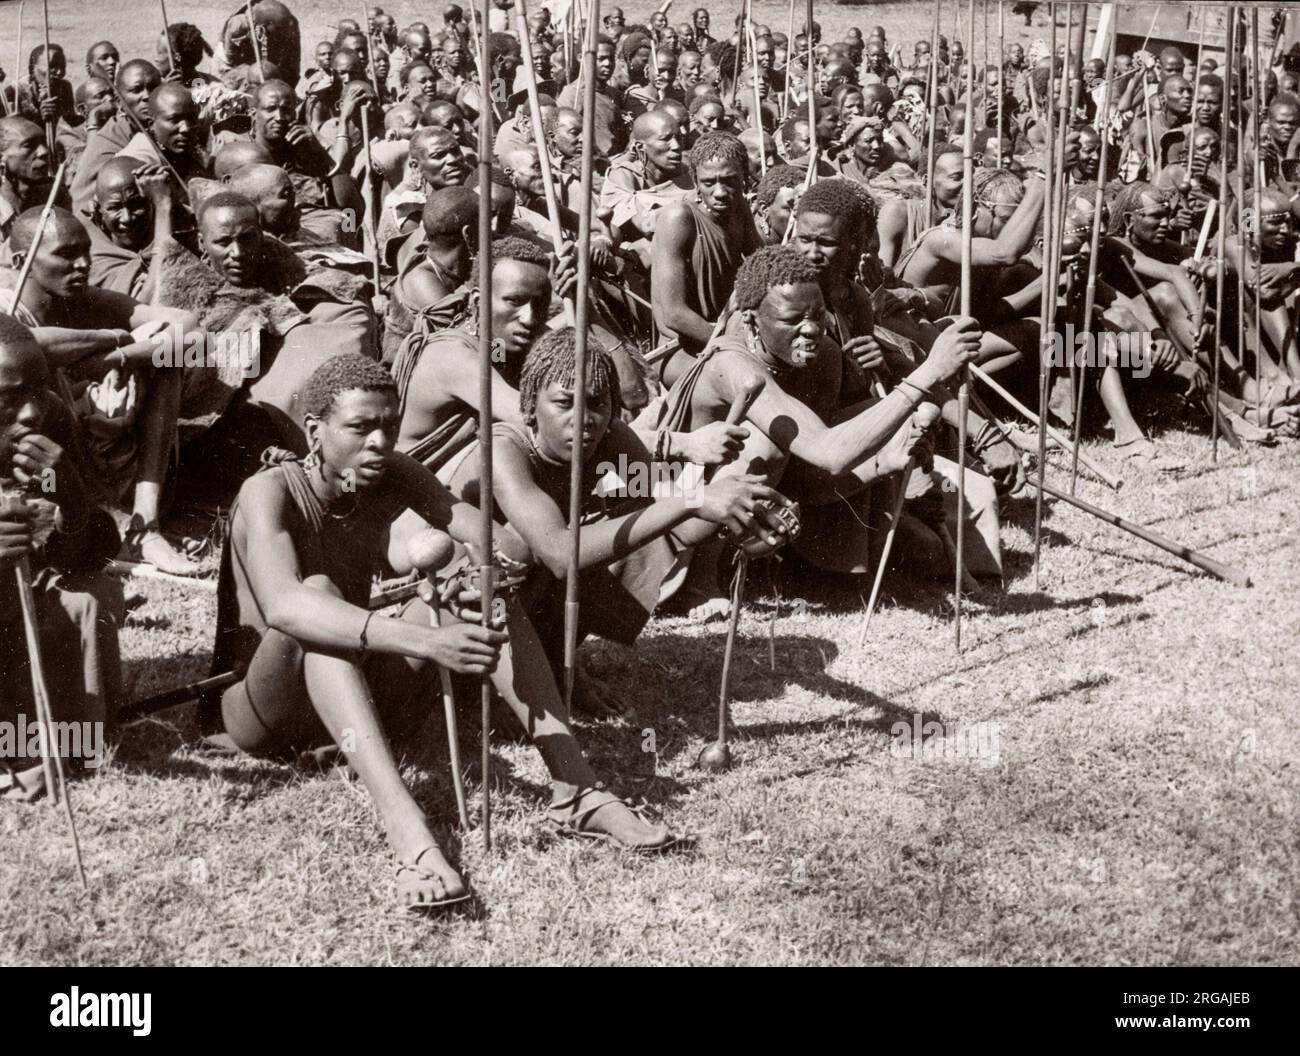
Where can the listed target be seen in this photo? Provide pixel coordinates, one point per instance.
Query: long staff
(789, 54)
(968, 223)
(371, 199)
(1257, 94)
(167, 35)
(1002, 72)
(758, 98)
(717, 756)
(1094, 249)
(1047, 301)
(1220, 244)
(932, 103)
(485, 492)
(49, 81)
(582, 311)
(51, 760)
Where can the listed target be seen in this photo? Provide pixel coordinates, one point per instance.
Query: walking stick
(1220, 245)
(18, 59)
(582, 311)
(485, 492)
(370, 44)
(1094, 244)
(963, 391)
(758, 97)
(717, 756)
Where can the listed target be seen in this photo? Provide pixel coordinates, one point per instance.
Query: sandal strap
(575, 811)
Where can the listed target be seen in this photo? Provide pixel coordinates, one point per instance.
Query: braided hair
(554, 359)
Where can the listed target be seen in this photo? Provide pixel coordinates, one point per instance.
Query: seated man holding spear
(134, 83)
(49, 516)
(317, 666)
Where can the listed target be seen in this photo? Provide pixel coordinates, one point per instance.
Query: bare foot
(157, 551)
(428, 880)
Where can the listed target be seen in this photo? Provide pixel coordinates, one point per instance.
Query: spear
(18, 61)
(485, 420)
(49, 80)
(789, 54)
(370, 43)
(1002, 72)
(1241, 191)
(1090, 291)
(758, 99)
(932, 100)
(581, 315)
(167, 35)
(371, 198)
(968, 222)
(1221, 247)
(51, 768)
(1257, 94)
(1047, 302)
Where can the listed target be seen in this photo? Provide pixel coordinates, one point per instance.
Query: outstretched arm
(1011, 244)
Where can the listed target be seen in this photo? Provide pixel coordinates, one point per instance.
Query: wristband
(363, 646)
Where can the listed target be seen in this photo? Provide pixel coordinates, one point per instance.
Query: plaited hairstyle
(1128, 199)
(553, 358)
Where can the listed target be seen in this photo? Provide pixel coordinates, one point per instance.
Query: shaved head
(61, 225)
(116, 174)
(653, 123)
(238, 154)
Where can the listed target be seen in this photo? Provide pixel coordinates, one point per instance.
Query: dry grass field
(1133, 799)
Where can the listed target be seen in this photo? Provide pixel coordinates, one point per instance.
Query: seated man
(96, 105)
(100, 346)
(305, 538)
(774, 201)
(328, 201)
(902, 221)
(611, 133)
(251, 285)
(873, 164)
(66, 540)
(174, 130)
(135, 82)
(627, 545)
(122, 224)
(649, 176)
(432, 270)
(25, 169)
(698, 246)
(801, 436)
(435, 161)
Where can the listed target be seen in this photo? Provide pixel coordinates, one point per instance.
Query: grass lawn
(1134, 801)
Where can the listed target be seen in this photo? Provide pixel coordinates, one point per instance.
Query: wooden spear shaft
(1094, 249)
(968, 223)
(581, 315)
(486, 504)
(49, 81)
(1002, 72)
(1256, 93)
(1221, 248)
(932, 102)
(1048, 295)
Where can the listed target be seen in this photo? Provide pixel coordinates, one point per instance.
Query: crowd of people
(248, 286)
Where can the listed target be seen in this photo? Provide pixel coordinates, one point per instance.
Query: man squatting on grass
(366, 400)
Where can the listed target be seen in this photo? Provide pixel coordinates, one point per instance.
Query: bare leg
(157, 434)
(286, 697)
